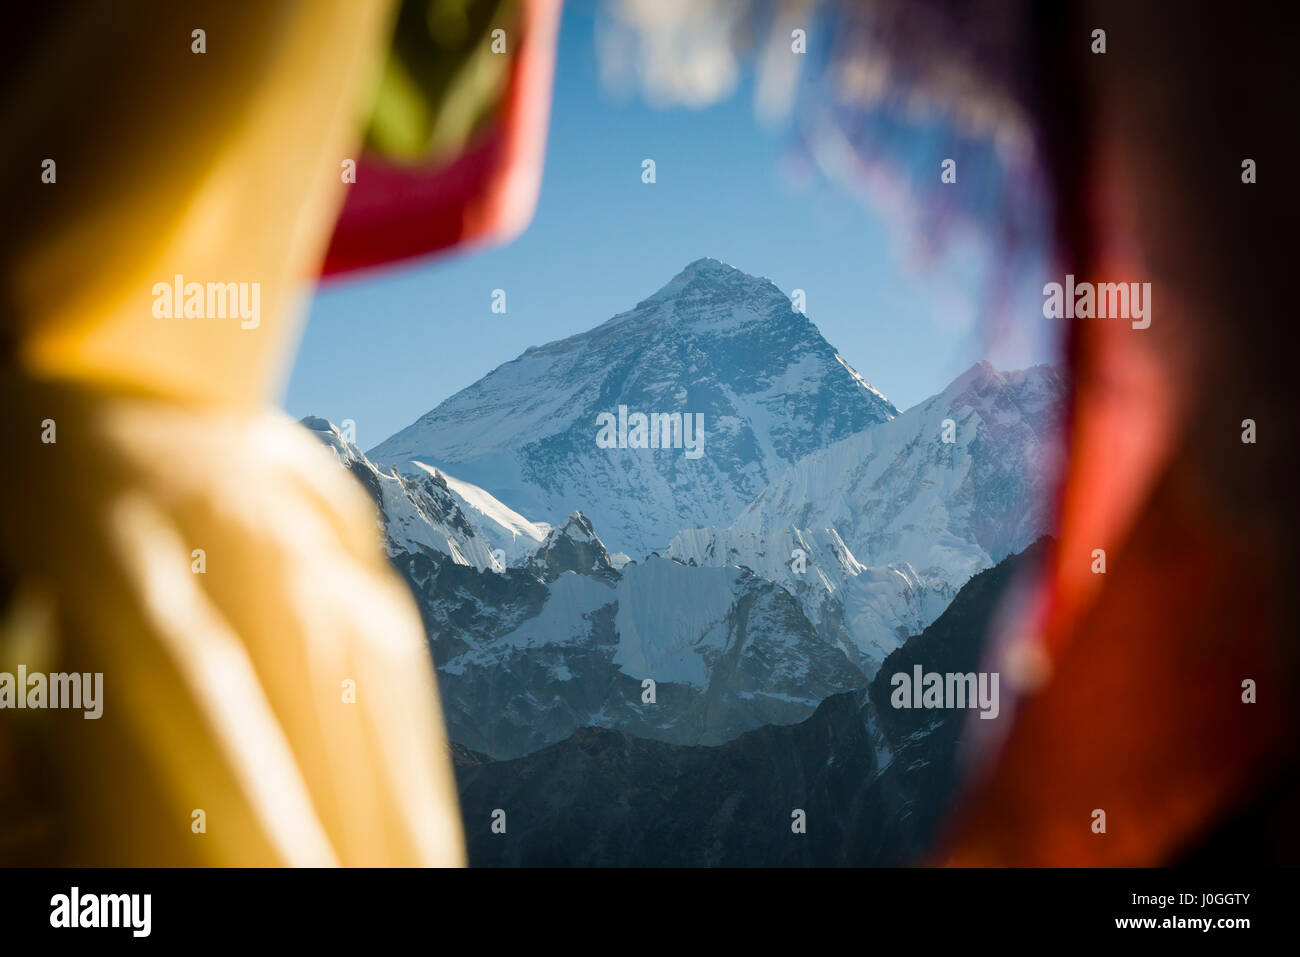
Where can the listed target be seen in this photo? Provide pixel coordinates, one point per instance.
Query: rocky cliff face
(872, 781)
(660, 650)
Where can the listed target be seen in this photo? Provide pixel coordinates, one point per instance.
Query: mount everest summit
(713, 342)
(818, 528)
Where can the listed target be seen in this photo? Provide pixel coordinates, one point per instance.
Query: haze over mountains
(817, 531)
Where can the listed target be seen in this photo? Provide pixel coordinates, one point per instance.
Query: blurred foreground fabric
(224, 691)
(1138, 704)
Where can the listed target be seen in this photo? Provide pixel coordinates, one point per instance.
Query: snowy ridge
(867, 612)
(897, 493)
(888, 524)
(503, 527)
(415, 514)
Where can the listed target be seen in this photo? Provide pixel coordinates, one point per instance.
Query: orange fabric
(1140, 711)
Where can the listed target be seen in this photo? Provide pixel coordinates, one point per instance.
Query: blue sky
(384, 349)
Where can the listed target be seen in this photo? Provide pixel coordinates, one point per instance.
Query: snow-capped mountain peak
(572, 546)
(714, 349)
